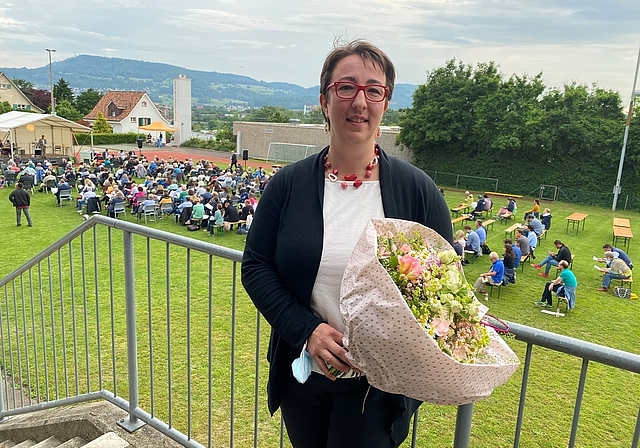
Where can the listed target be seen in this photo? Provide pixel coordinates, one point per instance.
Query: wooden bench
(487, 213)
(489, 222)
(508, 233)
(544, 232)
(460, 208)
(455, 221)
(523, 260)
(504, 195)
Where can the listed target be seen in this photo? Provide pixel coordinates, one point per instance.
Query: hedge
(108, 139)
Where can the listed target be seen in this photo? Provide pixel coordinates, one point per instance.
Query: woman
(217, 220)
(309, 219)
(508, 259)
(535, 210)
(545, 219)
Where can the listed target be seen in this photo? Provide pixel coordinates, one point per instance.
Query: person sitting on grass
(617, 269)
(553, 259)
(564, 286)
(493, 276)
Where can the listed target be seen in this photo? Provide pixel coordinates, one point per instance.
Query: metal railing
(153, 322)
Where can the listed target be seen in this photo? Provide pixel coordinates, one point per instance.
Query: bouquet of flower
(432, 283)
(412, 321)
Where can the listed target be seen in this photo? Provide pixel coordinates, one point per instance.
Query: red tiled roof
(125, 101)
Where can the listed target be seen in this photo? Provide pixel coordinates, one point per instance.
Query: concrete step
(51, 442)
(108, 440)
(76, 442)
(26, 444)
(7, 444)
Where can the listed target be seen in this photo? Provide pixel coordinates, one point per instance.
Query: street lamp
(53, 106)
(616, 188)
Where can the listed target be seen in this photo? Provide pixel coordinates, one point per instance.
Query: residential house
(14, 96)
(126, 111)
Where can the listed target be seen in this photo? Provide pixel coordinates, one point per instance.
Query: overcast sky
(586, 41)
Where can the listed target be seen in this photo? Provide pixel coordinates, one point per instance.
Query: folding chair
(149, 212)
(65, 195)
(119, 208)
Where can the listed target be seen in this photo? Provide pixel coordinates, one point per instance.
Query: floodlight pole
(53, 105)
(616, 188)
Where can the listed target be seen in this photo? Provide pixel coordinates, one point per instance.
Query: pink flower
(410, 267)
(440, 327)
(405, 249)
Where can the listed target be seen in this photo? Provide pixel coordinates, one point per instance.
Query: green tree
(66, 109)
(271, 114)
(62, 91)
(87, 100)
(23, 85)
(5, 107)
(390, 118)
(101, 126)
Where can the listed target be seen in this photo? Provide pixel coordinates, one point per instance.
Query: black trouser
(546, 294)
(329, 414)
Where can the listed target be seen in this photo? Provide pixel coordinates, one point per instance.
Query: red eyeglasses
(347, 90)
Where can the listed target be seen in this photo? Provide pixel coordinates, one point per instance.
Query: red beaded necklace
(333, 175)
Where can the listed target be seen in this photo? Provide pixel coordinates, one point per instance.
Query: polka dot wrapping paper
(385, 341)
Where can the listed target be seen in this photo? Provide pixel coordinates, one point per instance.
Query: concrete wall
(182, 108)
(256, 137)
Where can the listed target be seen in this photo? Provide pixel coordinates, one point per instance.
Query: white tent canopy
(24, 129)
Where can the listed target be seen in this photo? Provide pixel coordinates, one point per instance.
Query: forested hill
(220, 89)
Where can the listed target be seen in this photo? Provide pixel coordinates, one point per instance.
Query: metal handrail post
(133, 422)
(463, 426)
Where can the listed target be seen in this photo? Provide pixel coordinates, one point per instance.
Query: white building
(127, 111)
(182, 109)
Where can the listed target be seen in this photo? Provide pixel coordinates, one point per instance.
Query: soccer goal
(289, 152)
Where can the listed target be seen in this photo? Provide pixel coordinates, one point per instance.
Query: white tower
(182, 108)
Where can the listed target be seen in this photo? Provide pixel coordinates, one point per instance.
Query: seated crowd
(471, 242)
(197, 193)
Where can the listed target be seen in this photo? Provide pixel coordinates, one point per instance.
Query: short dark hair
(19, 185)
(607, 246)
(364, 49)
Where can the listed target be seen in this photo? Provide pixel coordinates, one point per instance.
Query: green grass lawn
(611, 399)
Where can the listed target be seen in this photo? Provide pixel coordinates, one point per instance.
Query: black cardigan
(284, 247)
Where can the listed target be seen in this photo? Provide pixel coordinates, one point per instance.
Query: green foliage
(5, 107)
(271, 114)
(66, 109)
(472, 121)
(101, 126)
(23, 84)
(107, 139)
(62, 91)
(87, 100)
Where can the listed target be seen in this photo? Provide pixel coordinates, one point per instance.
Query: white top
(346, 212)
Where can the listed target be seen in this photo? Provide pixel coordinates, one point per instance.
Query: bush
(108, 139)
(218, 145)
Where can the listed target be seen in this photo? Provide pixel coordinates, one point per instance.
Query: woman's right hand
(325, 346)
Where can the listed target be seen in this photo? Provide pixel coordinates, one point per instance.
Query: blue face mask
(302, 366)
